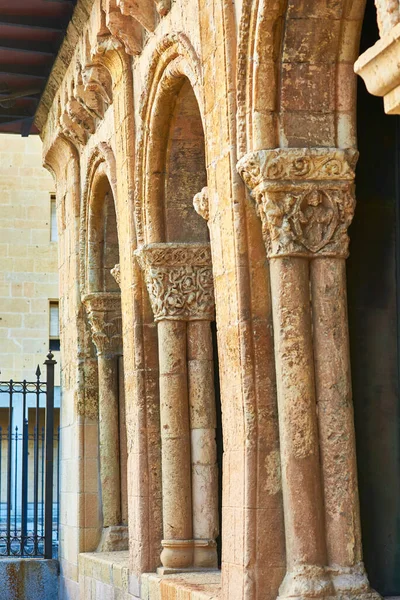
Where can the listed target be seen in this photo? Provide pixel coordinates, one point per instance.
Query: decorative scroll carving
(200, 203)
(116, 273)
(305, 199)
(179, 280)
(104, 316)
(388, 13)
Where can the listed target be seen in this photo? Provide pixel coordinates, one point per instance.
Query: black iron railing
(29, 475)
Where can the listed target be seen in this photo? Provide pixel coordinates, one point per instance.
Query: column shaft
(109, 439)
(336, 425)
(301, 476)
(203, 444)
(123, 445)
(176, 464)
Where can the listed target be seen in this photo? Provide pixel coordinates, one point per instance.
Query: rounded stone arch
(100, 180)
(296, 85)
(174, 66)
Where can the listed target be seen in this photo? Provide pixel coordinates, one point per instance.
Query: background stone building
(29, 304)
(204, 155)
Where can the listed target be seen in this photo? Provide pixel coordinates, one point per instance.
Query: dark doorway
(373, 298)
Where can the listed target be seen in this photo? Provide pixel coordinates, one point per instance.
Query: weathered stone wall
(275, 91)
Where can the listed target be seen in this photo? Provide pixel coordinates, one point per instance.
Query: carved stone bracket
(305, 199)
(179, 280)
(200, 203)
(116, 273)
(388, 14)
(104, 315)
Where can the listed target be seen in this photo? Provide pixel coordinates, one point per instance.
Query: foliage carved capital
(104, 316)
(179, 280)
(304, 197)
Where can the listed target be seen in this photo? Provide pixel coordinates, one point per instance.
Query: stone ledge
(28, 578)
(191, 586)
(104, 575)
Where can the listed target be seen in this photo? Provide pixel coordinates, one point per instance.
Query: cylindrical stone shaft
(203, 444)
(175, 442)
(123, 445)
(301, 474)
(335, 413)
(109, 439)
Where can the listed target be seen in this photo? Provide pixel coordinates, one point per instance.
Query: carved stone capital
(200, 203)
(104, 315)
(304, 197)
(179, 280)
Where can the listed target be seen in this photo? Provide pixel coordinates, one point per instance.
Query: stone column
(104, 315)
(203, 445)
(305, 198)
(180, 286)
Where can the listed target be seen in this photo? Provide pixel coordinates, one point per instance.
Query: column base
(352, 583)
(114, 539)
(205, 554)
(306, 581)
(177, 554)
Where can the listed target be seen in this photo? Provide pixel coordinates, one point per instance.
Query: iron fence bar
(48, 539)
(36, 465)
(25, 475)
(9, 450)
(42, 439)
(1, 460)
(15, 480)
(58, 483)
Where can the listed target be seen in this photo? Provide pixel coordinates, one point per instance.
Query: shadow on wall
(373, 299)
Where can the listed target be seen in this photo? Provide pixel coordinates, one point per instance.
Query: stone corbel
(95, 89)
(116, 273)
(143, 11)
(179, 280)
(388, 14)
(379, 65)
(125, 29)
(201, 203)
(163, 7)
(305, 199)
(104, 315)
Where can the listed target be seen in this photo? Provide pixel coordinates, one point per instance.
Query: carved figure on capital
(179, 280)
(305, 199)
(104, 316)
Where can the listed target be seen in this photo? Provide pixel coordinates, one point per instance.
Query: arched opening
(191, 431)
(103, 304)
(185, 173)
(373, 300)
(103, 249)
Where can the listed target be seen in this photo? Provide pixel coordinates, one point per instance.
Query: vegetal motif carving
(305, 198)
(104, 316)
(179, 280)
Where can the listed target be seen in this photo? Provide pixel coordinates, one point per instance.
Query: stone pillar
(180, 286)
(305, 199)
(104, 315)
(203, 445)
